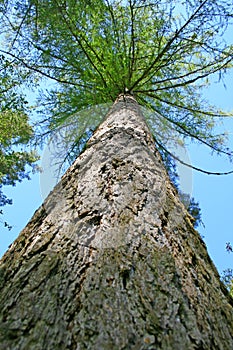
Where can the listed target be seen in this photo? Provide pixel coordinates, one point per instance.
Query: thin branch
(167, 46)
(188, 133)
(191, 166)
(81, 45)
(200, 69)
(210, 114)
(9, 87)
(132, 42)
(20, 26)
(85, 51)
(35, 69)
(114, 21)
(187, 82)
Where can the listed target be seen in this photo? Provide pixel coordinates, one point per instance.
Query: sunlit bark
(111, 259)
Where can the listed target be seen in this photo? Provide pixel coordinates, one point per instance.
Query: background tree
(15, 133)
(227, 276)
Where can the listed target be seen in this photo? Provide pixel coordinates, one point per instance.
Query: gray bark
(111, 259)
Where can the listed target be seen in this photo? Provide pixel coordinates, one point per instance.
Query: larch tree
(111, 259)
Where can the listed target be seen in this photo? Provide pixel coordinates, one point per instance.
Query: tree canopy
(87, 52)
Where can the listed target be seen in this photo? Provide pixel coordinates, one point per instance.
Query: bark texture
(111, 259)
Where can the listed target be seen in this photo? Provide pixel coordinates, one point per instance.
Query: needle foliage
(164, 52)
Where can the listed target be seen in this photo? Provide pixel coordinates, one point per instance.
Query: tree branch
(167, 46)
(191, 166)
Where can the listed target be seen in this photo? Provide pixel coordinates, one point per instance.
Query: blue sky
(214, 193)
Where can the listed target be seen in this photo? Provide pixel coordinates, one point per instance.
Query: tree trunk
(111, 259)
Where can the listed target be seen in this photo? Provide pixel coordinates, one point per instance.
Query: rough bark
(111, 259)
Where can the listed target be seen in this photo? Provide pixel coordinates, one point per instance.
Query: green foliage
(163, 52)
(15, 131)
(15, 134)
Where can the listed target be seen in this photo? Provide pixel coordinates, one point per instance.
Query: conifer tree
(111, 259)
